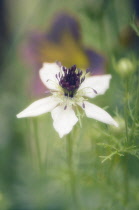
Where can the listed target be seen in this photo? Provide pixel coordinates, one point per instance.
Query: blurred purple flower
(61, 43)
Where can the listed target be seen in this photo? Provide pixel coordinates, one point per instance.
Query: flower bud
(125, 67)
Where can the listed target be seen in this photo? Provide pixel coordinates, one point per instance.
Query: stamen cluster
(70, 80)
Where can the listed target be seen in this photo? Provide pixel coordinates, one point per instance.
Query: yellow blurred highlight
(68, 51)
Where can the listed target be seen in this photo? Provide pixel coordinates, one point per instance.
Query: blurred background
(92, 34)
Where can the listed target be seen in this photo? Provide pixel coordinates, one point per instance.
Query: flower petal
(95, 85)
(39, 107)
(48, 75)
(93, 111)
(64, 119)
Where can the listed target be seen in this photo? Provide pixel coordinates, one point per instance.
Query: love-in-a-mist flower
(69, 89)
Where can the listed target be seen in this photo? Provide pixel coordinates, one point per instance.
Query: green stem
(71, 170)
(35, 126)
(28, 141)
(126, 110)
(126, 180)
(125, 164)
(136, 111)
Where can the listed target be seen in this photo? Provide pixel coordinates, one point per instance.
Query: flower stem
(125, 179)
(28, 141)
(35, 126)
(136, 111)
(126, 109)
(71, 171)
(125, 162)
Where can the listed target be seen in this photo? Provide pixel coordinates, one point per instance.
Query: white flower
(69, 89)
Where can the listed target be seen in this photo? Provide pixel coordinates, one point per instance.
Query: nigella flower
(69, 89)
(61, 41)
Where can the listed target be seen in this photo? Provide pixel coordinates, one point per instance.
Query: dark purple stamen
(95, 91)
(65, 107)
(58, 63)
(83, 105)
(87, 71)
(71, 80)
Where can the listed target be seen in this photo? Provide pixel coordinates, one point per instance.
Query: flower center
(70, 80)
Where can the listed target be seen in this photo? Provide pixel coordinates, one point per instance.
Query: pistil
(70, 80)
